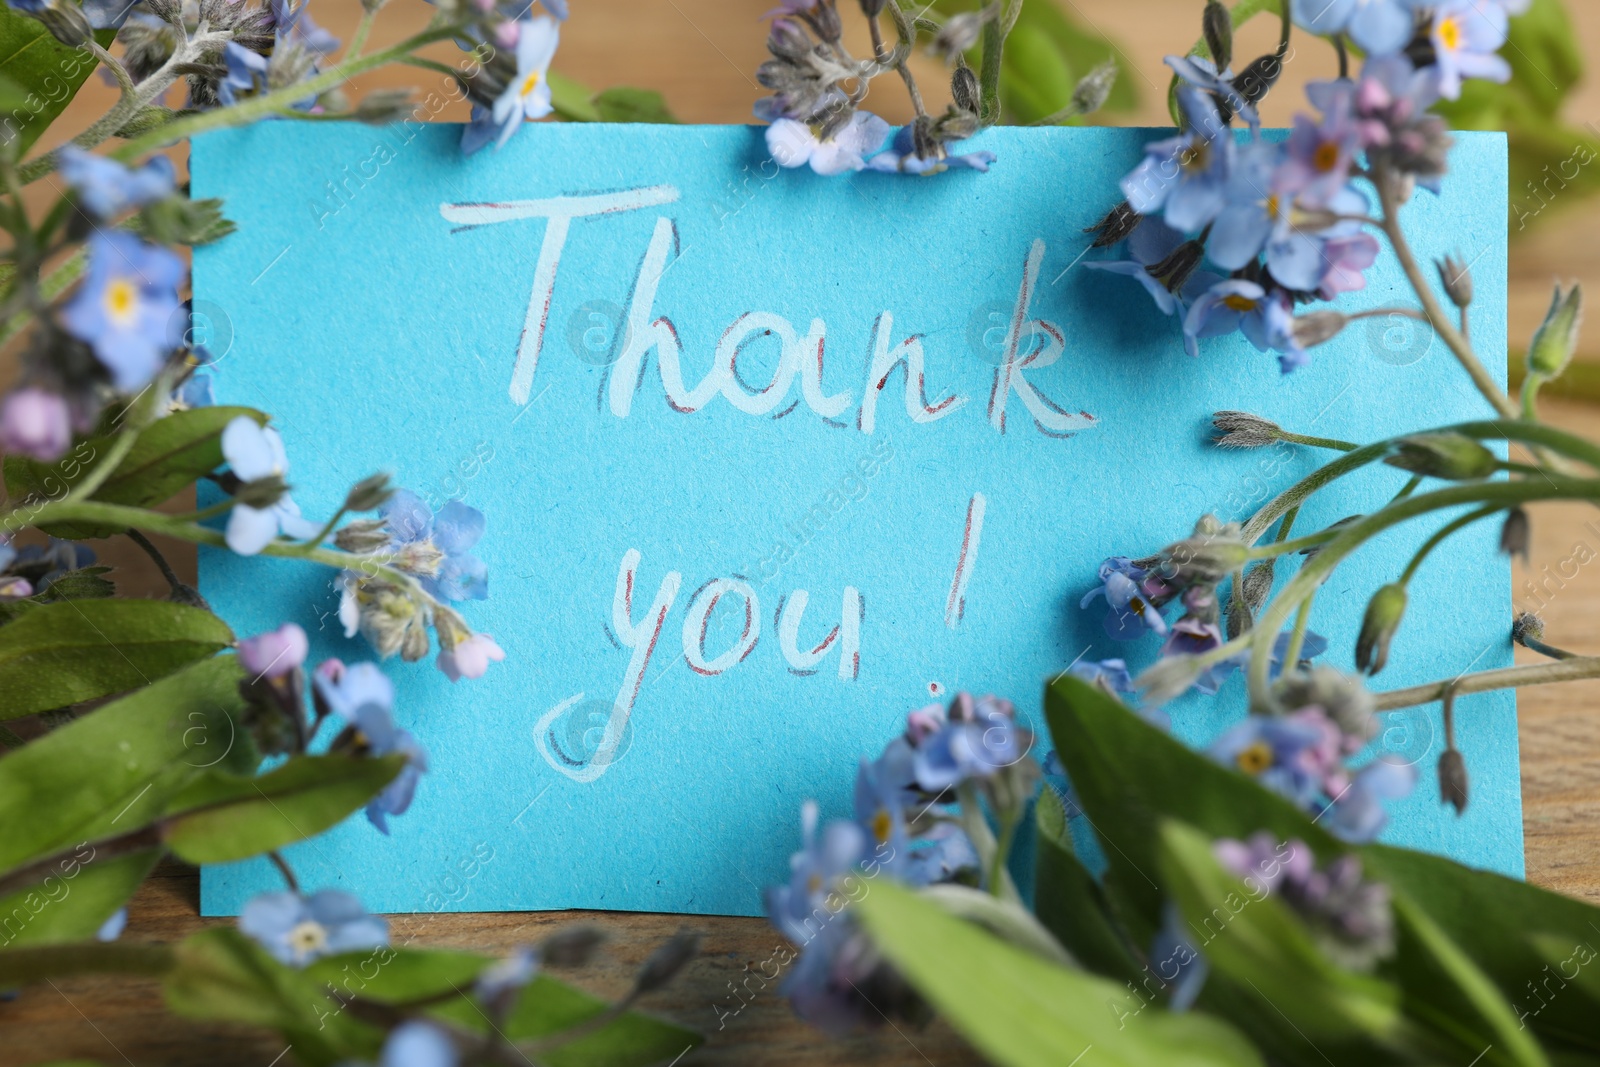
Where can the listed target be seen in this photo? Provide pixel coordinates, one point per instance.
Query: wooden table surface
(701, 53)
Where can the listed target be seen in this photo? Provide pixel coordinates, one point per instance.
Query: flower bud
(35, 423)
(1174, 271)
(1456, 277)
(363, 536)
(1453, 779)
(667, 961)
(964, 89)
(1557, 337)
(1514, 535)
(958, 34)
(1342, 698)
(1527, 626)
(571, 947)
(788, 40)
(383, 106)
(1384, 612)
(1257, 79)
(1217, 24)
(1117, 225)
(1257, 584)
(872, 8)
(1205, 558)
(369, 494)
(1318, 327)
(1093, 89)
(1452, 456)
(66, 22)
(1240, 429)
(261, 493)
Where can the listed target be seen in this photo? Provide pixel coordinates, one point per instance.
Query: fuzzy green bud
(1557, 337)
(369, 494)
(1384, 612)
(1452, 456)
(1453, 779)
(261, 493)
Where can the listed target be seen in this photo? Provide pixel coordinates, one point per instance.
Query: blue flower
(815, 876)
(1109, 674)
(511, 973)
(418, 1044)
(1376, 26)
(246, 73)
(1177, 962)
(253, 452)
(1193, 636)
(107, 14)
(1263, 211)
(901, 158)
(196, 392)
(297, 929)
(57, 557)
(528, 94)
(797, 144)
(1202, 73)
(295, 24)
(882, 795)
(453, 531)
(1266, 318)
(1357, 814)
(124, 306)
(981, 738)
(1293, 755)
(1151, 242)
(363, 697)
(1319, 155)
(1127, 590)
(1185, 175)
(1466, 35)
(106, 188)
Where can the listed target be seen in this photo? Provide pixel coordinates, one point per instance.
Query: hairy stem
(1568, 670)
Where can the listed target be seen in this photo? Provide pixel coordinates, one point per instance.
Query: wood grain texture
(701, 53)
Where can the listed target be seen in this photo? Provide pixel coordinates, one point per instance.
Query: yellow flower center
(1256, 758)
(308, 937)
(121, 299)
(1196, 157)
(1326, 157)
(881, 825)
(530, 83)
(1450, 33)
(1235, 302)
(1272, 206)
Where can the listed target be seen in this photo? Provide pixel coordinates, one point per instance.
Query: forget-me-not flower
(453, 531)
(254, 452)
(901, 158)
(797, 144)
(36, 423)
(363, 697)
(123, 308)
(527, 96)
(297, 929)
(1185, 176)
(1378, 27)
(106, 188)
(416, 1043)
(1467, 35)
(1151, 242)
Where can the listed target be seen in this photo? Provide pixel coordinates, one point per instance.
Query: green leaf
(65, 653)
(86, 583)
(1072, 905)
(221, 975)
(1445, 988)
(80, 892)
(1254, 940)
(47, 72)
(115, 768)
(572, 100)
(1020, 1011)
(179, 220)
(12, 95)
(225, 817)
(19, 966)
(622, 104)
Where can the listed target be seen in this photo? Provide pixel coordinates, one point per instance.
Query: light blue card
(824, 496)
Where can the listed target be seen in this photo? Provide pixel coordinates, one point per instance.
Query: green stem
(1317, 569)
(358, 40)
(1317, 442)
(143, 410)
(1439, 536)
(260, 107)
(37, 963)
(1568, 670)
(1297, 638)
(54, 284)
(1409, 488)
(994, 45)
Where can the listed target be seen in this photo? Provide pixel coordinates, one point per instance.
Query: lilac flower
(901, 158)
(418, 1044)
(1260, 214)
(1151, 243)
(106, 188)
(1294, 755)
(453, 531)
(797, 144)
(815, 873)
(981, 738)
(1376, 26)
(1194, 636)
(255, 452)
(123, 307)
(1347, 259)
(1177, 962)
(295, 24)
(297, 929)
(35, 423)
(1185, 175)
(528, 94)
(14, 588)
(1319, 155)
(275, 654)
(112, 928)
(1391, 103)
(1356, 813)
(470, 657)
(1466, 36)
(363, 697)
(1128, 593)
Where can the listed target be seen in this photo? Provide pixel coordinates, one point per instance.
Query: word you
(801, 357)
(640, 639)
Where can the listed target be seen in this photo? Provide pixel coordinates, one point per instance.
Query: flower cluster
(1347, 914)
(1232, 236)
(27, 571)
(918, 820)
(359, 696)
(1302, 754)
